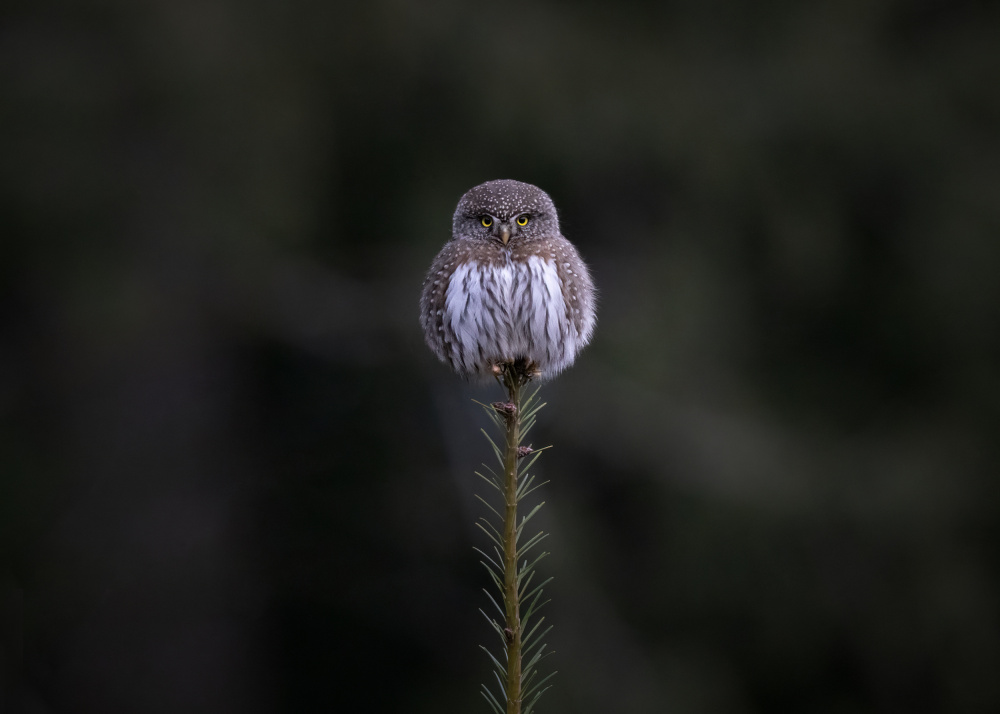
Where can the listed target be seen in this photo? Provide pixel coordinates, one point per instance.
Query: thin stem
(510, 571)
(513, 382)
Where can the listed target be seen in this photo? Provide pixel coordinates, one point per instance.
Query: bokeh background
(232, 479)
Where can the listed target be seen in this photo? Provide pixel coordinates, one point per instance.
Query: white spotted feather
(502, 313)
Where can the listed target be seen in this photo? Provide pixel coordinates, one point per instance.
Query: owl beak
(505, 234)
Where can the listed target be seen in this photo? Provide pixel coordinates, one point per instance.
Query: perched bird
(508, 287)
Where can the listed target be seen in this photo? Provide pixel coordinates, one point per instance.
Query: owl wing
(577, 287)
(437, 333)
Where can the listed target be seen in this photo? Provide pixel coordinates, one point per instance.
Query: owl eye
(487, 221)
(522, 220)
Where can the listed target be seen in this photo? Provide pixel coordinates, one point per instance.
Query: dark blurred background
(232, 478)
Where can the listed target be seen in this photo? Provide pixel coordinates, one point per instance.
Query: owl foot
(530, 370)
(520, 371)
(524, 368)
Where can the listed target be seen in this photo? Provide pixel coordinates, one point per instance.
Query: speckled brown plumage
(487, 300)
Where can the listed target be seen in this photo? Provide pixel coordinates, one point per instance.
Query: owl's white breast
(506, 311)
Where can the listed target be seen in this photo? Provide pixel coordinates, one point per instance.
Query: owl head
(506, 212)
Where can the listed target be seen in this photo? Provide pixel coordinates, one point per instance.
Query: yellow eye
(487, 221)
(522, 220)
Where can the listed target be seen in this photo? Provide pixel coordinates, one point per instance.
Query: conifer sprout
(514, 551)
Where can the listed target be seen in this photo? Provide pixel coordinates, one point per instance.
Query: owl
(508, 287)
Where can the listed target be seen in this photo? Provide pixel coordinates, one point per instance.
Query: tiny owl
(508, 287)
